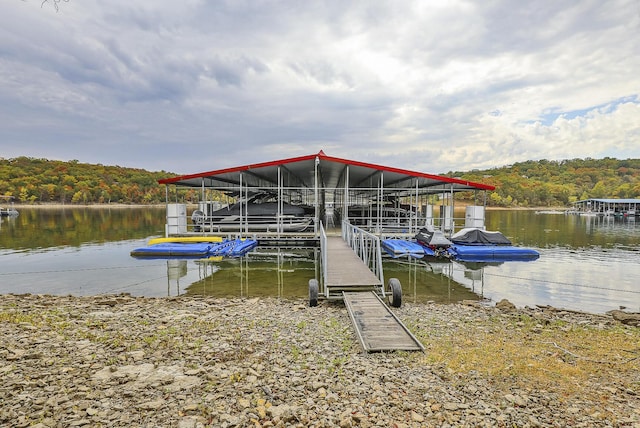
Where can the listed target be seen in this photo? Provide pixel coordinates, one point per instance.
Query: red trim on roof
(321, 155)
(406, 172)
(237, 169)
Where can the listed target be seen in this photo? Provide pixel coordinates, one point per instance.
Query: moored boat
(475, 244)
(434, 240)
(8, 212)
(260, 212)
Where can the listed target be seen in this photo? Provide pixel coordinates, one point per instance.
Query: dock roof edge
(188, 180)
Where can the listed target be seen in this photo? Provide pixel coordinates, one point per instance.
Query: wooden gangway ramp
(349, 278)
(378, 328)
(345, 270)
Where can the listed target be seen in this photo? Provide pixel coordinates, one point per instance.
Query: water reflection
(176, 269)
(47, 228)
(529, 229)
(586, 263)
(617, 228)
(424, 281)
(279, 272)
(285, 273)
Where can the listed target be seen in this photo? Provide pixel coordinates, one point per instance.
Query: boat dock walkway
(345, 270)
(377, 328)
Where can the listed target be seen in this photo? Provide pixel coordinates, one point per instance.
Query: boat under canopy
(260, 212)
(329, 189)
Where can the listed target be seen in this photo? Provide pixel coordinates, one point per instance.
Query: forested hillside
(37, 181)
(558, 183)
(525, 184)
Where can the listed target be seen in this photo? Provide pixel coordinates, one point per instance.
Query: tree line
(549, 183)
(525, 184)
(42, 181)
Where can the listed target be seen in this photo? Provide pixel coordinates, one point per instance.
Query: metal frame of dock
(329, 188)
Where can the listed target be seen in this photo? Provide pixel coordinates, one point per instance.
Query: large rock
(628, 318)
(505, 306)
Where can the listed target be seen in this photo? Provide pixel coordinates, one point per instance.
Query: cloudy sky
(433, 86)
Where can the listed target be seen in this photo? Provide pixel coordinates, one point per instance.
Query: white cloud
(431, 86)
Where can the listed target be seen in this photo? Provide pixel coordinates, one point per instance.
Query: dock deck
(377, 328)
(345, 270)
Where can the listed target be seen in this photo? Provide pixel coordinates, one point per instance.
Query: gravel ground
(193, 362)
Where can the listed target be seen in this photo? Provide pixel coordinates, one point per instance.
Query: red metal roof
(300, 172)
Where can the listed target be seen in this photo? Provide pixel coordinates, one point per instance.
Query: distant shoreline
(119, 205)
(59, 205)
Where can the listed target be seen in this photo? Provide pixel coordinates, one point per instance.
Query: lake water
(586, 263)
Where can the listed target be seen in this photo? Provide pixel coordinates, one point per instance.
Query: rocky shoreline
(119, 360)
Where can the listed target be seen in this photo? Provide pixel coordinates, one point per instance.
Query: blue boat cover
(232, 248)
(478, 253)
(399, 248)
(174, 249)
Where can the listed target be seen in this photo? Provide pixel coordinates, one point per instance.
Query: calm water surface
(586, 263)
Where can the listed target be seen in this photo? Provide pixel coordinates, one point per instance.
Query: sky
(432, 86)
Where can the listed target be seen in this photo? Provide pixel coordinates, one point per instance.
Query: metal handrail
(323, 257)
(366, 246)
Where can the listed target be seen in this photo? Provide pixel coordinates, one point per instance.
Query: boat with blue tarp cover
(475, 244)
(469, 244)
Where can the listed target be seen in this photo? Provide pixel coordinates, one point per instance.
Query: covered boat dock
(291, 197)
(288, 201)
(614, 207)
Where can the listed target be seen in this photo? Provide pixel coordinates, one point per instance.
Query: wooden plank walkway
(345, 270)
(377, 328)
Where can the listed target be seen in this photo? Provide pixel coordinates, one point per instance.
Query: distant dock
(610, 207)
